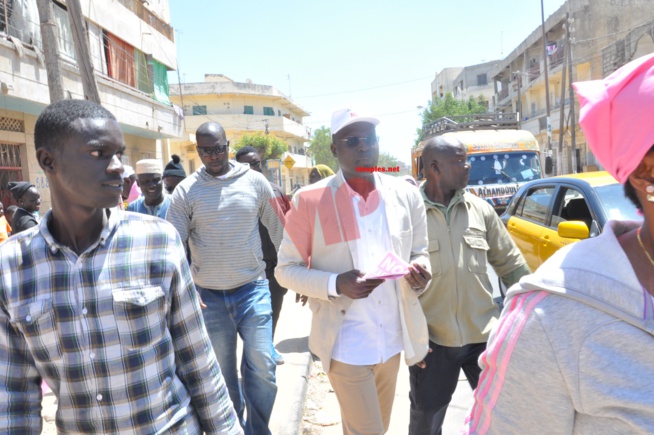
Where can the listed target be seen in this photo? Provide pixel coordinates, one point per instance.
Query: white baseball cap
(344, 117)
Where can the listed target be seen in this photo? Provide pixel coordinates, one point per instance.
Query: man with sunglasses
(337, 230)
(216, 211)
(250, 156)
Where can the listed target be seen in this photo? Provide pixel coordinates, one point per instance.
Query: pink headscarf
(134, 193)
(616, 116)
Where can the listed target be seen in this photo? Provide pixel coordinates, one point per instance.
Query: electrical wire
(366, 89)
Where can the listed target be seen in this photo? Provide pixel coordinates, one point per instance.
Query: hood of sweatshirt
(598, 273)
(237, 170)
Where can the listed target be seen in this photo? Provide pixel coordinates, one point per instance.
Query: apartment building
(470, 81)
(443, 83)
(245, 108)
(604, 35)
(131, 46)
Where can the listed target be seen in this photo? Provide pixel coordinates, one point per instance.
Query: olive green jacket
(463, 238)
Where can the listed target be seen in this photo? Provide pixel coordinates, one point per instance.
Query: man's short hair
(55, 122)
(210, 129)
(244, 151)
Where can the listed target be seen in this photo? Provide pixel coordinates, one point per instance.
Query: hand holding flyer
(391, 267)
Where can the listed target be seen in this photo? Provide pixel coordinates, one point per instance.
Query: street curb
(294, 410)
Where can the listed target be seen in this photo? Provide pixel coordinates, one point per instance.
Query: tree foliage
(268, 146)
(450, 106)
(320, 148)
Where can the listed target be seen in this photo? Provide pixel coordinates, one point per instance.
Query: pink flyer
(391, 267)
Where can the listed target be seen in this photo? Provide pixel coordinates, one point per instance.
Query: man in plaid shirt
(100, 303)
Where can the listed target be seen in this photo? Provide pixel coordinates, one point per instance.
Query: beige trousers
(365, 395)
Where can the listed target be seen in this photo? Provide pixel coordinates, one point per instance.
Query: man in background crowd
(29, 204)
(131, 190)
(153, 201)
(173, 173)
(250, 156)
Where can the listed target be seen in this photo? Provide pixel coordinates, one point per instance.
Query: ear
(333, 148)
(434, 164)
(643, 175)
(46, 159)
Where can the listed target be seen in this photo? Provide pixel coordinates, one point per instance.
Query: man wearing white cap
(339, 229)
(131, 190)
(149, 180)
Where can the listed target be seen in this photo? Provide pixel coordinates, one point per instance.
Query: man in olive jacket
(465, 234)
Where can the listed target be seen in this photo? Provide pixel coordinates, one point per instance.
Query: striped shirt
(219, 219)
(116, 333)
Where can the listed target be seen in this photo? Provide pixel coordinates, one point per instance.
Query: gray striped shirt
(219, 218)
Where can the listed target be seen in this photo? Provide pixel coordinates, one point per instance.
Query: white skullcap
(149, 166)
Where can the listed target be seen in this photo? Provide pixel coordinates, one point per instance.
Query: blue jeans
(247, 312)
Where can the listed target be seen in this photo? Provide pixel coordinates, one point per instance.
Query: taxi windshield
(503, 168)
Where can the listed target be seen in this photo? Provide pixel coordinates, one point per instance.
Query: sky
(376, 57)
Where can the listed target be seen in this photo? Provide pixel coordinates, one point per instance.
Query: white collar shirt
(371, 332)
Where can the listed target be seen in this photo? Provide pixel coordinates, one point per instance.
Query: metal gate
(10, 170)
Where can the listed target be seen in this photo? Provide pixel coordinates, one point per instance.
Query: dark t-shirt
(267, 246)
(22, 220)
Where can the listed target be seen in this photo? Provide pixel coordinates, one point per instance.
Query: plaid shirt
(116, 332)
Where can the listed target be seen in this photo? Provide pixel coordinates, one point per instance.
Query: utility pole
(562, 111)
(547, 81)
(518, 106)
(82, 51)
(573, 121)
(50, 50)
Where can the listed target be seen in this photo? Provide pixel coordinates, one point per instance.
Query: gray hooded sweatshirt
(219, 219)
(574, 350)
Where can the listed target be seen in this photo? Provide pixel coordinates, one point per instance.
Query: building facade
(244, 108)
(470, 81)
(444, 82)
(131, 49)
(603, 35)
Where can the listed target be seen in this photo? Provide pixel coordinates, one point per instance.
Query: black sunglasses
(354, 141)
(210, 151)
(255, 163)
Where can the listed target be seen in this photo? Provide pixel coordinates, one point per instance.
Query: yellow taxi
(547, 214)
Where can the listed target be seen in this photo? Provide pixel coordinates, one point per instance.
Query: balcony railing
(534, 72)
(146, 15)
(558, 57)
